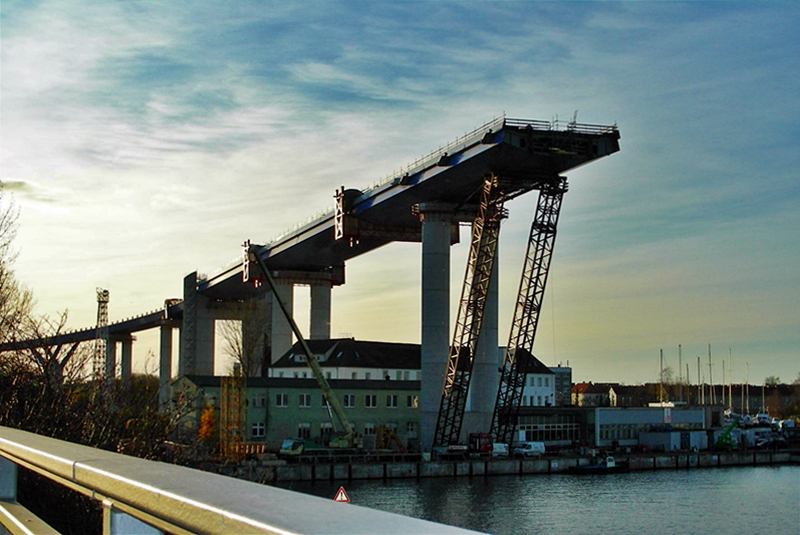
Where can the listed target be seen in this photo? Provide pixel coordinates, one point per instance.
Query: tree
(772, 380)
(244, 340)
(16, 302)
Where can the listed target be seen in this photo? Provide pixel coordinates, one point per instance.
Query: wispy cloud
(157, 134)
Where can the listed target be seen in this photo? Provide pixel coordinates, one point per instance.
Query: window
(325, 428)
(398, 375)
(533, 379)
(296, 375)
(324, 402)
(305, 400)
(304, 430)
(371, 401)
(369, 429)
(538, 400)
(349, 401)
(280, 374)
(406, 375)
(391, 400)
(259, 400)
(258, 430)
(411, 429)
(546, 381)
(327, 375)
(367, 376)
(540, 381)
(412, 401)
(354, 375)
(282, 400)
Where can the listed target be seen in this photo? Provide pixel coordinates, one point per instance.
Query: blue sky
(145, 140)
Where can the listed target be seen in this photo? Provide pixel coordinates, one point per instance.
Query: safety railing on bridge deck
(141, 496)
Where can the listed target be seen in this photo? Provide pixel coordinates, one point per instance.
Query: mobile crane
(343, 437)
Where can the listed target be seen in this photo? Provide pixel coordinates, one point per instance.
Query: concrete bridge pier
(488, 359)
(164, 362)
(436, 239)
(320, 311)
(197, 331)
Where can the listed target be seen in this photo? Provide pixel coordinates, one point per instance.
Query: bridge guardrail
(177, 499)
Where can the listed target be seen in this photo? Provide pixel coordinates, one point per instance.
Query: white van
(529, 449)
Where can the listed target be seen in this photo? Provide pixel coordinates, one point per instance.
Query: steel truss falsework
(519, 350)
(480, 263)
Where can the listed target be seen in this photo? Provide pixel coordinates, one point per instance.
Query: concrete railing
(141, 496)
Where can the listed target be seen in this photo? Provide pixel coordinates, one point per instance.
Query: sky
(142, 141)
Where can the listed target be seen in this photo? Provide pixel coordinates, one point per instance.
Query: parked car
(529, 449)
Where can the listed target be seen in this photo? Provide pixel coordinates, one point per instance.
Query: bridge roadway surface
(523, 153)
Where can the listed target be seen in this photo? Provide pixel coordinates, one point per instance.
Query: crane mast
(483, 247)
(251, 256)
(519, 351)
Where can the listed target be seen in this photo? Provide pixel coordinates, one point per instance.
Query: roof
(352, 353)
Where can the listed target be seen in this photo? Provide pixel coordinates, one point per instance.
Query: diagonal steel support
(483, 247)
(519, 351)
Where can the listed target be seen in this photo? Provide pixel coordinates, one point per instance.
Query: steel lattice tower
(519, 350)
(101, 338)
(483, 247)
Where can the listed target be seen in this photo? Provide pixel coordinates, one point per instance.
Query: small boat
(606, 466)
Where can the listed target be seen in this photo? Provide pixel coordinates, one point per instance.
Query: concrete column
(256, 331)
(164, 365)
(197, 332)
(281, 335)
(485, 375)
(435, 318)
(126, 365)
(111, 360)
(320, 311)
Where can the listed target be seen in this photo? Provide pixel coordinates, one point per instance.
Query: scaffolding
(233, 415)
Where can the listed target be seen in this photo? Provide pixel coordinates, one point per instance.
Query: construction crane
(101, 340)
(480, 263)
(519, 352)
(251, 256)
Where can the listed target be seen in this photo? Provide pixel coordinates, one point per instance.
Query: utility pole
(723, 383)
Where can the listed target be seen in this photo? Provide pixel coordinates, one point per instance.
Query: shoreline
(279, 472)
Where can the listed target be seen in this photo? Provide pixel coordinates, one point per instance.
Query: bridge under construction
(467, 181)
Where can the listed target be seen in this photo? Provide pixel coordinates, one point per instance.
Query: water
(748, 500)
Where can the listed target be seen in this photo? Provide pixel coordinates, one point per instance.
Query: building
(279, 407)
(540, 385)
(563, 378)
(347, 358)
(590, 394)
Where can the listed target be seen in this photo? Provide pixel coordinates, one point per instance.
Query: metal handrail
(178, 499)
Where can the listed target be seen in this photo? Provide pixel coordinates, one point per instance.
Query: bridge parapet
(175, 499)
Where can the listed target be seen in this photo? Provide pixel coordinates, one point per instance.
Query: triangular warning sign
(341, 496)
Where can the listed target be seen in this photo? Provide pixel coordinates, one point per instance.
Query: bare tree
(244, 340)
(16, 302)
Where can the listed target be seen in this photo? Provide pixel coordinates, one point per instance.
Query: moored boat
(608, 465)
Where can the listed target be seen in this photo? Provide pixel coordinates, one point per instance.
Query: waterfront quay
(279, 471)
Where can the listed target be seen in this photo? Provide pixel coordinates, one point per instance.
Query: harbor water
(752, 500)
